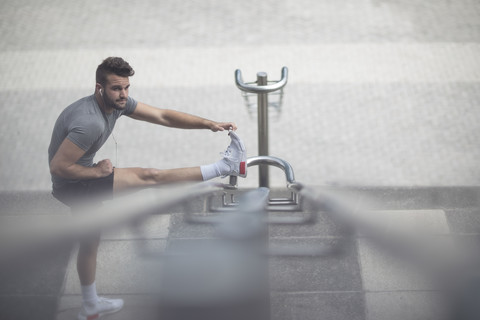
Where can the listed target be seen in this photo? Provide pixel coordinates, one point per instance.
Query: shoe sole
(102, 314)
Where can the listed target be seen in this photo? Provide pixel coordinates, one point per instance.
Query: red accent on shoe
(242, 167)
(93, 317)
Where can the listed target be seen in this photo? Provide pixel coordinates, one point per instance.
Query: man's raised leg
(233, 163)
(138, 178)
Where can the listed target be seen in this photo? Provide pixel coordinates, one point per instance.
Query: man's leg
(233, 162)
(124, 179)
(138, 178)
(87, 260)
(93, 307)
(86, 268)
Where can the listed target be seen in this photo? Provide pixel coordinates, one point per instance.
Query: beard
(119, 107)
(119, 104)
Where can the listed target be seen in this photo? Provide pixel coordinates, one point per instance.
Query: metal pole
(263, 179)
(261, 89)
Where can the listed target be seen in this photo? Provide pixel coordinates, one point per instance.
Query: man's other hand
(105, 167)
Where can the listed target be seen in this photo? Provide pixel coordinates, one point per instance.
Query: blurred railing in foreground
(226, 276)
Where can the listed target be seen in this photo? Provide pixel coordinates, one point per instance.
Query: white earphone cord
(116, 150)
(111, 131)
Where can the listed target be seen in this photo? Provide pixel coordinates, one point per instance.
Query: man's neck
(102, 105)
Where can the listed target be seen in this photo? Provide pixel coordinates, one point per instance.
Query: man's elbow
(55, 169)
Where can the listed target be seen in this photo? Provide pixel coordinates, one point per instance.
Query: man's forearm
(183, 120)
(76, 171)
(177, 119)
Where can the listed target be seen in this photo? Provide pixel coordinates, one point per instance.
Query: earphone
(101, 92)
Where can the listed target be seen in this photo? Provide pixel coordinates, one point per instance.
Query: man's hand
(221, 126)
(105, 167)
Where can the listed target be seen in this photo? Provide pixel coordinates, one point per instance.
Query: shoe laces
(227, 153)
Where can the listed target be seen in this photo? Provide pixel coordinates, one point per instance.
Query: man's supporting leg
(87, 260)
(139, 178)
(93, 307)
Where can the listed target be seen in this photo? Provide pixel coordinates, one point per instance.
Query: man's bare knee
(149, 175)
(132, 178)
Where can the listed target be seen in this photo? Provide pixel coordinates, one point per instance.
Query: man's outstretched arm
(177, 119)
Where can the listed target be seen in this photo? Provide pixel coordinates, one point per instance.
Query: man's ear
(99, 88)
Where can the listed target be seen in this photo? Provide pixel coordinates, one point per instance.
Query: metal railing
(24, 239)
(262, 89)
(240, 246)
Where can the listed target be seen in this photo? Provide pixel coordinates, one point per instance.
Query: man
(81, 130)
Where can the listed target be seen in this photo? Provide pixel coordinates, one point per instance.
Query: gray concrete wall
(380, 92)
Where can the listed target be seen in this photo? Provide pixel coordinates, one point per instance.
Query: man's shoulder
(84, 108)
(85, 105)
(84, 113)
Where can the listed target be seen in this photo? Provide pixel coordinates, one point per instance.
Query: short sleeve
(131, 105)
(84, 133)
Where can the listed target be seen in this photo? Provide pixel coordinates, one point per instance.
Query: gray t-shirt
(85, 124)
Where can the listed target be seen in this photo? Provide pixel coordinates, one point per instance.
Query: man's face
(116, 92)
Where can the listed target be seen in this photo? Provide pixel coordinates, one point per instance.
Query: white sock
(89, 294)
(214, 170)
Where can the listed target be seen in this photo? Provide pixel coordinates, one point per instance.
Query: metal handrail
(128, 209)
(284, 204)
(274, 161)
(261, 89)
(421, 249)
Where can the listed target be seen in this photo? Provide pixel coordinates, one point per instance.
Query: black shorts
(85, 192)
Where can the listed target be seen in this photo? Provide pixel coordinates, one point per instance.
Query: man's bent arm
(64, 164)
(177, 119)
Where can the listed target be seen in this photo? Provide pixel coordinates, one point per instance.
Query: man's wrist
(97, 171)
(208, 124)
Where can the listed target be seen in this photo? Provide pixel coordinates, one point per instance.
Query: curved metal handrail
(274, 161)
(261, 89)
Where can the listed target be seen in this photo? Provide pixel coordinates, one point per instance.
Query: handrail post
(263, 178)
(262, 89)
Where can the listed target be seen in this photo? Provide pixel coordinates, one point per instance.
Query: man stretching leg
(82, 129)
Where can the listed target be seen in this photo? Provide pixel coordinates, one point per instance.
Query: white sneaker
(236, 156)
(103, 307)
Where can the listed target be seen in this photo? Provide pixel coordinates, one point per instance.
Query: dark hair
(113, 65)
